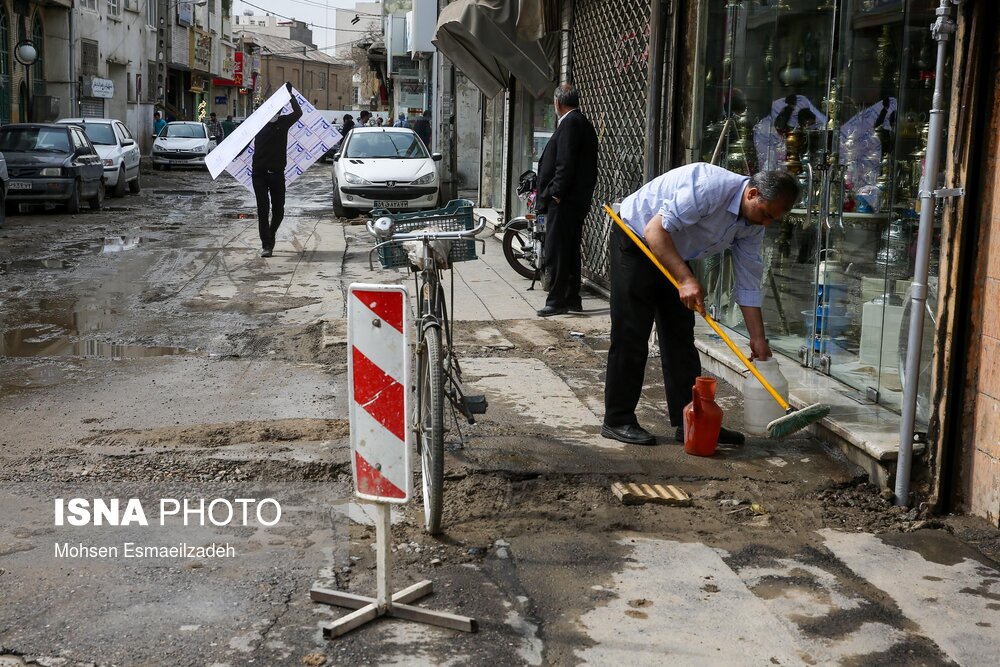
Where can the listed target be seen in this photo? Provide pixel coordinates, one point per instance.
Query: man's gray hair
(567, 96)
(776, 185)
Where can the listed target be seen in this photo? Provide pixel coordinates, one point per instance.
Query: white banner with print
(308, 140)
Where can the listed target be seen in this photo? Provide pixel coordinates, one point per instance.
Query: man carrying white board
(270, 157)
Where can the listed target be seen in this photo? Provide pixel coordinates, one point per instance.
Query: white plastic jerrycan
(759, 407)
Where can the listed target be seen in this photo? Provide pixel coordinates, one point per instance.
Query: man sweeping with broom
(688, 213)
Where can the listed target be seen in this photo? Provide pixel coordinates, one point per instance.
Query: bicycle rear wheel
(430, 378)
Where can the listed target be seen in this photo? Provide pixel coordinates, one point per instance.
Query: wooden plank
(352, 601)
(441, 619)
(630, 493)
(383, 559)
(347, 623)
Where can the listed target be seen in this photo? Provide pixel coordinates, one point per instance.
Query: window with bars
(89, 56)
(115, 8)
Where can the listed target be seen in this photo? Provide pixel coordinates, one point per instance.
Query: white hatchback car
(383, 167)
(118, 150)
(181, 144)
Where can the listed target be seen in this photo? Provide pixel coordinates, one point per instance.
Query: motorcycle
(524, 236)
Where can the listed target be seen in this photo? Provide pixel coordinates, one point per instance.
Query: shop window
(838, 94)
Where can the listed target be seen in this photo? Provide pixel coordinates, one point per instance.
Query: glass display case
(835, 91)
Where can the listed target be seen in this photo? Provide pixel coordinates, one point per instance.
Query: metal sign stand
(368, 609)
(378, 366)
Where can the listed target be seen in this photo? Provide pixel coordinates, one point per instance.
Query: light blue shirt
(700, 205)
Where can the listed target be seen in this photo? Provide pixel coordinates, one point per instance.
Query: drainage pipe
(942, 29)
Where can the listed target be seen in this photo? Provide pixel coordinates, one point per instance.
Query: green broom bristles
(796, 420)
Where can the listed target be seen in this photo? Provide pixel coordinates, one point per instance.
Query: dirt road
(149, 353)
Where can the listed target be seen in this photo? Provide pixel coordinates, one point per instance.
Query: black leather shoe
(575, 307)
(726, 437)
(266, 252)
(631, 434)
(549, 311)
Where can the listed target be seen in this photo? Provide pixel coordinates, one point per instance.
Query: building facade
(322, 79)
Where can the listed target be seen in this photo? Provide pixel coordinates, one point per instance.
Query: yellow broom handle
(722, 334)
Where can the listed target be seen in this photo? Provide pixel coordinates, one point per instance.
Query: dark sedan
(49, 163)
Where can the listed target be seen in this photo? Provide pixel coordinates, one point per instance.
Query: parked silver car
(118, 150)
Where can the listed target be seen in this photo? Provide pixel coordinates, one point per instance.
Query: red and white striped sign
(378, 368)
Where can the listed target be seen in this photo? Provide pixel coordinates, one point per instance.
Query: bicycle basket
(456, 216)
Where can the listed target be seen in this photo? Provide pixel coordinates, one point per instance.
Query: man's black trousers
(269, 188)
(640, 295)
(563, 235)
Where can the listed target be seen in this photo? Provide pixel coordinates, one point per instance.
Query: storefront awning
(481, 38)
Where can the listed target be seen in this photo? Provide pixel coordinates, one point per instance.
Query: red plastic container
(702, 419)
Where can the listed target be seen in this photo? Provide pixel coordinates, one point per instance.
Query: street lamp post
(26, 53)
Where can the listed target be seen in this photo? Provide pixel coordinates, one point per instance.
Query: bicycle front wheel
(430, 376)
(518, 249)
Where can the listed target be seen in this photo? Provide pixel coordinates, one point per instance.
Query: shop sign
(185, 13)
(237, 73)
(103, 88)
(411, 95)
(201, 50)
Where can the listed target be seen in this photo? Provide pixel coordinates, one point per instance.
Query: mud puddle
(41, 342)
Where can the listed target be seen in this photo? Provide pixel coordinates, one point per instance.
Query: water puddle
(179, 193)
(48, 341)
(238, 216)
(113, 244)
(51, 264)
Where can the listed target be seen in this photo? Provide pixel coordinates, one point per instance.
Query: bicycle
(438, 373)
(524, 236)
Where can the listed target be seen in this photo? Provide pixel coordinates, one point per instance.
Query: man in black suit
(567, 174)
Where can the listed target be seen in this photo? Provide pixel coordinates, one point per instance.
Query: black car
(50, 163)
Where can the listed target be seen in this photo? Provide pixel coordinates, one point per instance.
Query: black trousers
(640, 295)
(563, 235)
(269, 188)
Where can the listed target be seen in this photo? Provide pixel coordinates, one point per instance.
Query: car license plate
(19, 185)
(390, 204)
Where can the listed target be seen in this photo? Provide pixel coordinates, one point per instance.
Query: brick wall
(983, 472)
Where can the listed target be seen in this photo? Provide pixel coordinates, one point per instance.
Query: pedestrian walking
(228, 125)
(379, 121)
(215, 130)
(422, 126)
(401, 121)
(365, 117)
(158, 122)
(567, 175)
(688, 213)
(270, 156)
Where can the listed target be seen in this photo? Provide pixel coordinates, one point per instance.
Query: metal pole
(654, 97)
(942, 30)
